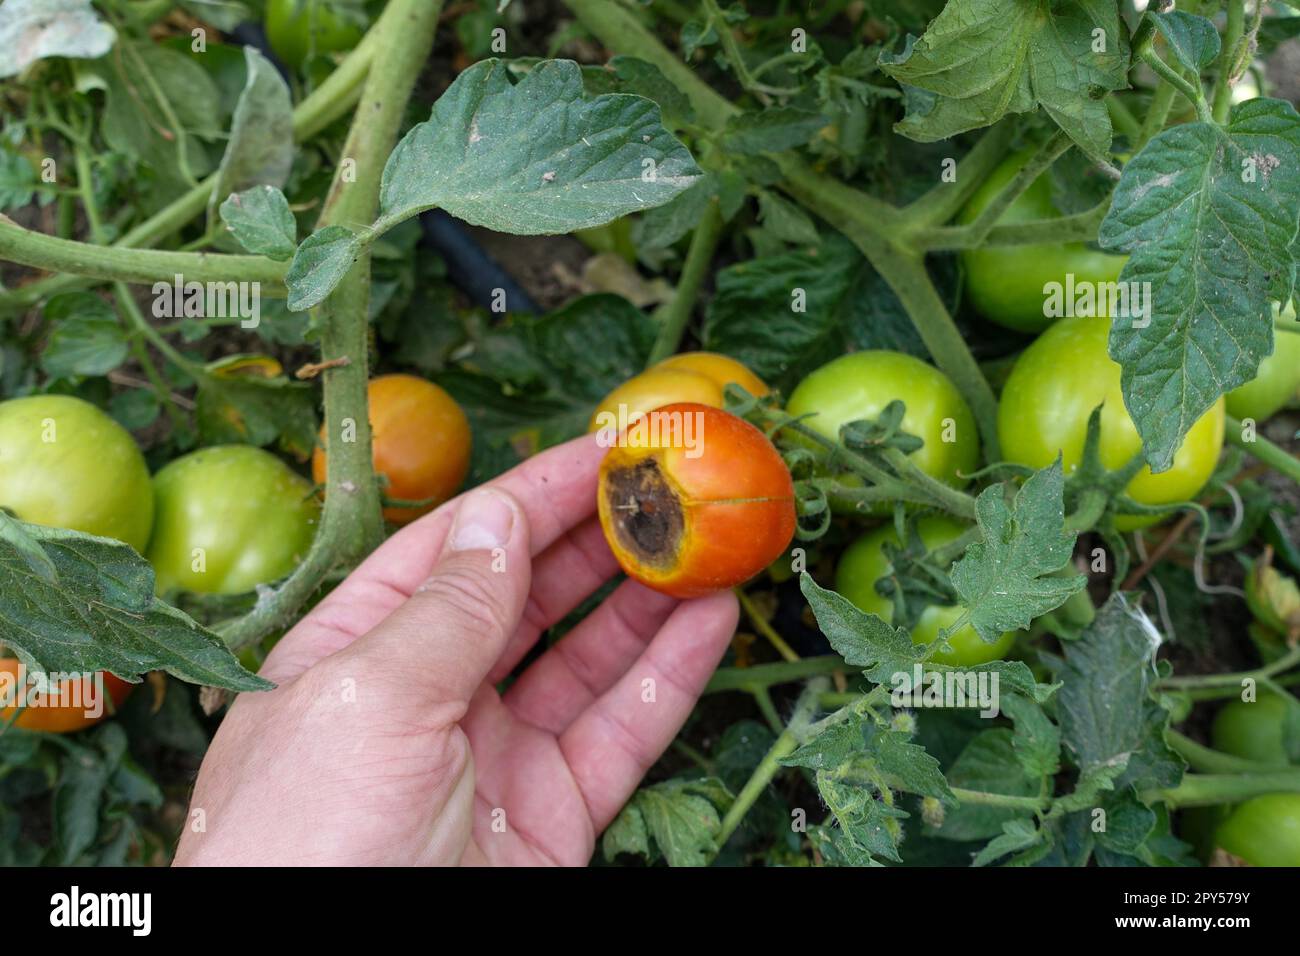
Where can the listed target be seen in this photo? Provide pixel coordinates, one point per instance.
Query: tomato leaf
(982, 59)
(1208, 215)
(1016, 835)
(988, 763)
(86, 337)
(242, 400)
(1006, 579)
(260, 148)
(320, 263)
(772, 130)
(1193, 40)
(18, 180)
(260, 218)
(862, 639)
(32, 30)
(680, 815)
(102, 614)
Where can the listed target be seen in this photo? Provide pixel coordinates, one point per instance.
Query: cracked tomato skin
(251, 514)
(859, 385)
(1005, 283)
(864, 562)
(1053, 388)
(64, 712)
(690, 524)
(1264, 831)
(420, 440)
(1278, 379)
(66, 464)
(688, 377)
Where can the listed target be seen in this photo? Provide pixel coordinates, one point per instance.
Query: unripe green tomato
(228, 519)
(66, 464)
(1053, 388)
(1253, 730)
(1007, 283)
(1278, 379)
(859, 386)
(1264, 831)
(298, 28)
(864, 563)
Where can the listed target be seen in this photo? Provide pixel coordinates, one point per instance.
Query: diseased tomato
(66, 464)
(297, 29)
(688, 377)
(1266, 729)
(1052, 390)
(228, 519)
(74, 704)
(693, 500)
(1278, 379)
(420, 440)
(859, 386)
(1264, 831)
(1007, 283)
(864, 562)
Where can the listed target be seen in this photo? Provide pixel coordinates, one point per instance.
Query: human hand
(386, 742)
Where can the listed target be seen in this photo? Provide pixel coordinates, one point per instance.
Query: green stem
(1232, 34)
(1223, 693)
(1123, 117)
(114, 263)
(140, 69)
(984, 798)
(1078, 227)
(765, 706)
(943, 495)
(1162, 101)
(785, 745)
(351, 523)
(764, 627)
(944, 200)
(768, 675)
(677, 313)
(1171, 76)
(1206, 760)
(1207, 790)
(1262, 449)
(1283, 663)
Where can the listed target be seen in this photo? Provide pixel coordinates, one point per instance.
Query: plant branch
(764, 627)
(677, 313)
(1206, 760)
(769, 675)
(1262, 449)
(944, 200)
(1283, 663)
(1232, 34)
(1207, 790)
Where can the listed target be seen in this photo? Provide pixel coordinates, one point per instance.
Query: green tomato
(1053, 388)
(859, 385)
(1008, 284)
(1278, 378)
(1256, 730)
(864, 563)
(297, 29)
(1264, 831)
(66, 464)
(228, 519)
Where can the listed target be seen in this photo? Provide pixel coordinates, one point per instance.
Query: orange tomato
(693, 500)
(421, 441)
(67, 708)
(689, 377)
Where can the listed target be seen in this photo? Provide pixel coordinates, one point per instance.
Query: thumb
(445, 638)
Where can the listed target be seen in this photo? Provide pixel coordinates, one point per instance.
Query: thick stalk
(350, 521)
(1207, 760)
(944, 200)
(1232, 33)
(1283, 663)
(1211, 789)
(1262, 449)
(677, 313)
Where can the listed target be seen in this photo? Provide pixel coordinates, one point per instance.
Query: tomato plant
(457, 235)
(1010, 284)
(64, 463)
(694, 500)
(864, 563)
(74, 703)
(421, 443)
(228, 519)
(1051, 392)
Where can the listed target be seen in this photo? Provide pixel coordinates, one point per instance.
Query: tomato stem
(1261, 448)
(1210, 789)
(1232, 35)
(784, 672)
(1207, 760)
(1283, 663)
(764, 626)
(676, 314)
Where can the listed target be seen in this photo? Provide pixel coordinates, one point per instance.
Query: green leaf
(869, 825)
(771, 131)
(1193, 40)
(103, 615)
(18, 182)
(1208, 215)
(260, 218)
(27, 548)
(535, 158)
(243, 399)
(832, 747)
(86, 337)
(910, 766)
(1036, 741)
(1016, 835)
(260, 148)
(320, 263)
(863, 640)
(988, 764)
(662, 226)
(785, 220)
(682, 817)
(1005, 579)
(627, 834)
(982, 59)
(32, 30)
(1128, 823)
(645, 79)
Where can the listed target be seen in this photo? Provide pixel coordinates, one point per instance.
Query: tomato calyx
(648, 518)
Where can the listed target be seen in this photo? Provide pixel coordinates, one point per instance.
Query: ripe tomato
(688, 377)
(228, 519)
(1278, 379)
(1007, 283)
(299, 28)
(66, 464)
(693, 500)
(421, 443)
(1053, 388)
(1255, 730)
(859, 385)
(864, 562)
(68, 708)
(1264, 831)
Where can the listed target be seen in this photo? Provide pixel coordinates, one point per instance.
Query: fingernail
(483, 522)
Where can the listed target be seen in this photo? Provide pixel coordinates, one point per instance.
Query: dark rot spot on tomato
(647, 514)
